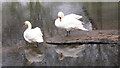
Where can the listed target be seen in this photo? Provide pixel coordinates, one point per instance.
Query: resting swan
(32, 35)
(69, 22)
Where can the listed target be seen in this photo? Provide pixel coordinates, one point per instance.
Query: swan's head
(26, 23)
(60, 15)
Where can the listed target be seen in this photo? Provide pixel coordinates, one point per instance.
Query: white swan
(69, 22)
(32, 35)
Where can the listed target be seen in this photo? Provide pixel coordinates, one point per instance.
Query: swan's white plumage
(69, 22)
(33, 35)
(74, 16)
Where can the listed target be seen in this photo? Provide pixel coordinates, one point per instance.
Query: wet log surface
(83, 37)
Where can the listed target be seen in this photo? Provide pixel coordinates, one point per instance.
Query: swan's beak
(24, 24)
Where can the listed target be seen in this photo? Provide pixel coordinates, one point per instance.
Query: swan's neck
(29, 26)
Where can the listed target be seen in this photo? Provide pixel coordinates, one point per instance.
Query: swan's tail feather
(40, 41)
(84, 29)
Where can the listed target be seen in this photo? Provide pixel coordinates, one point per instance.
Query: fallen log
(83, 37)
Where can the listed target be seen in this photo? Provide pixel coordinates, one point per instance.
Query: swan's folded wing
(74, 16)
(37, 31)
(34, 33)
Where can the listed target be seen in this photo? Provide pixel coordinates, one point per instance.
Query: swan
(69, 22)
(33, 35)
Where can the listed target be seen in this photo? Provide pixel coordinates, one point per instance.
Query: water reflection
(69, 51)
(33, 54)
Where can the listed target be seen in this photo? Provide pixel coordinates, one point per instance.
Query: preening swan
(69, 22)
(32, 35)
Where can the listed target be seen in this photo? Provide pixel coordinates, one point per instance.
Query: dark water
(102, 16)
